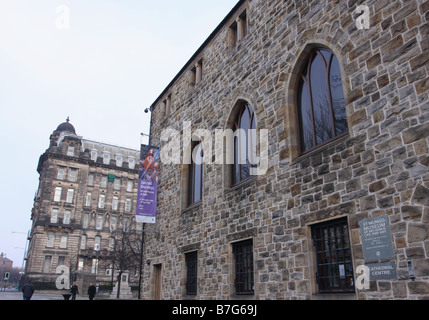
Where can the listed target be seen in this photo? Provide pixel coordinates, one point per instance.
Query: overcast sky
(114, 60)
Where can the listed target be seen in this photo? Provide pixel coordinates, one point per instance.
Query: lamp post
(113, 260)
(22, 272)
(97, 251)
(141, 263)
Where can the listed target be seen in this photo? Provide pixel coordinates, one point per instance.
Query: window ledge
(242, 184)
(334, 296)
(320, 149)
(243, 297)
(192, 207)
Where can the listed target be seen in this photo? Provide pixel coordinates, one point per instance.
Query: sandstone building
(5, 263)
(347, 116)
(87, 191)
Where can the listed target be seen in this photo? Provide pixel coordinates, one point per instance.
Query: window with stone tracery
(320, 100)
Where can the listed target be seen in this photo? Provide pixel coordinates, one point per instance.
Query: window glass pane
(106, 158)
(101, 201)
(198, 174)
(128, 204)
(73, 175)
(115, 203)
(326, 55)
(70, 151)
(83, 242)
(47, 264)
(80, 264)
(191, 273)
(126, 224)
(338, 101)
(245, 119)
(130, 185)
(244, 144)
(51, 239)
(113, 223)
(245, 125)
(334, 261)
(63, 242)
(70, 194)
(321, 101)
(57, 195)
(97, 244)
(131, 163)
(94, 155)
(54, 216)
(236, 165)
(305, 117)
(119, 160)
(103, 182)
(243, 256)
(99, 225)
(117, 184)
(86, 220)
(61, 171)
(88, 200)
(67, 215)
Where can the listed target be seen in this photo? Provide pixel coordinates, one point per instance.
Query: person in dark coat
(27, 291)
(91, 291)
(74, 290)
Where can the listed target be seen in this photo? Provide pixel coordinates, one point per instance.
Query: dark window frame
(191, 260)
(192, 174)
(304, 79)
(243, 267)
(334, 260)
(238, 170)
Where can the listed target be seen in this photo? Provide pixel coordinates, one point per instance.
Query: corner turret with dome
(66, 126)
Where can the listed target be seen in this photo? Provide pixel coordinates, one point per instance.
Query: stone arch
(239, 96)
(239, 99)
(297, 65)
(196, 135)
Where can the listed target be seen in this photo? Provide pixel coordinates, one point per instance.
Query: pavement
(13, 294)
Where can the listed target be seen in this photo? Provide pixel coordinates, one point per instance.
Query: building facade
(5, 263)
(87, 192)
(345, 173)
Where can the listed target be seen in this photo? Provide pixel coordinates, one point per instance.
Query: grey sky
(113, 62)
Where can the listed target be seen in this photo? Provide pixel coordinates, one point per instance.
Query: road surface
(15, 295)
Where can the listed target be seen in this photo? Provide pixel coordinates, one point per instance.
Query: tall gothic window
(195, 189)
(244, 143)
(321, 103)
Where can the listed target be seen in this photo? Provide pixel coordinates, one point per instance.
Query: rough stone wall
(379, 168)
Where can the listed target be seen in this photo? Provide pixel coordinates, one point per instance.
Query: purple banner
(148, 184)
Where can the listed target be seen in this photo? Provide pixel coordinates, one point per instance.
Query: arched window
(195, 188)
(244, 143)
(321, 103)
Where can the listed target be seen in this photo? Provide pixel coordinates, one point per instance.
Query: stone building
(346, 113)
(87, 191)
(5, 263)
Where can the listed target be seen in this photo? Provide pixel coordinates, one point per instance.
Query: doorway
(157, 279)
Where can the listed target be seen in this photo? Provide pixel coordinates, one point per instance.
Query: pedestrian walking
(74, 290)
(92, 290)
(27, 291)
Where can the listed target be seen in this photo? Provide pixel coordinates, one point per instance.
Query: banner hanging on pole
(148, 184)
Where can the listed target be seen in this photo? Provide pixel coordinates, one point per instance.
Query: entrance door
(157, 274)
